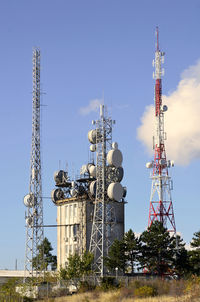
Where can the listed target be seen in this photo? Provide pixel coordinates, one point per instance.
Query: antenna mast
(103, 209)
(161, 207)
(33, 201)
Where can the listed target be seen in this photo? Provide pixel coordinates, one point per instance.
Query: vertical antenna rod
(161, 207)
(33, 201)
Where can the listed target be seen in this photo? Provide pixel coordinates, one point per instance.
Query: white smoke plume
(182, 120)
(92, 107)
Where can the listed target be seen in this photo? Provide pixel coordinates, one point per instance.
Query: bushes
(145, 291)
(193, 286)
(85, 286)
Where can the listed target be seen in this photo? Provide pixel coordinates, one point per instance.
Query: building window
(69, 231)
(75, 229)
(75, 210)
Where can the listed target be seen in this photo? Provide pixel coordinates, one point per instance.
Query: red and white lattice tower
(161, 207)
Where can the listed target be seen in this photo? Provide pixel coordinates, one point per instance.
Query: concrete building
(74, 218)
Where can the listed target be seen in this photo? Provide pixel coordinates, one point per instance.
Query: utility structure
(90, 209)
(104, 210)
(33, 200)
(161, 206)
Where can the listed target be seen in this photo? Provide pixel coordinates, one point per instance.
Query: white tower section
(33, 201)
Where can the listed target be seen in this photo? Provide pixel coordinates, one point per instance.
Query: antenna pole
(103, 209)
(34, 213)
(161, 207)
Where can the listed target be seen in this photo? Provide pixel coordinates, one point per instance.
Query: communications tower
(33, 201)
(107, 190)
(161, 206)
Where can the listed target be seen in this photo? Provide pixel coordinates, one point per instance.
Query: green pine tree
(194, 255)
(131, 249)
(44, 257)
(116, 256)
(157, 249)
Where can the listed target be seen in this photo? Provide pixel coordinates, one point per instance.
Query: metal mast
(33, 201)
(103, 211)
(161, 207)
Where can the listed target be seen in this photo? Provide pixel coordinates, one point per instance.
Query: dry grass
(165, 291)
(115, 296)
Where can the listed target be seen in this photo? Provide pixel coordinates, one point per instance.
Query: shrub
(85, 286)
(193, 286)
(108, 283)
(145, 291)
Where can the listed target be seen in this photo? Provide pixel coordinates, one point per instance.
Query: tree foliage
(77, 266)
(116, 256)
(195, 243)
(181, 259)
(123, 253)
(131, 249)
(44, 256)
(157, 249)
(194, 255)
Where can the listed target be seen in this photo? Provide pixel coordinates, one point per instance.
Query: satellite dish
(57, 194)
(114, 145)
(115, 191)
(92, 134)
(29, 221)
(115, 158)
(93, 187)
(93, 148)
(164, 108)
(29, 200)
(93, 171)
(149, 165)
(60, 176)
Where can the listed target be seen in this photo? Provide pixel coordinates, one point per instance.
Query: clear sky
(88, 47)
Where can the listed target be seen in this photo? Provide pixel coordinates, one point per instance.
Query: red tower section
(161, 207)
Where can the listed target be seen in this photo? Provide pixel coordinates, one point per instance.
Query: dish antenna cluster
(106, 187)
(161, 207)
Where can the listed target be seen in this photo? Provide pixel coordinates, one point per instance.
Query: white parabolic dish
(92, 171)
(93, 186)
(115, 191)
(92, 136)
(29, 200)
(115, 158)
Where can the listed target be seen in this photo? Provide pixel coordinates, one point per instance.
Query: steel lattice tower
(161, 207)
(33, 201)
(104, 212)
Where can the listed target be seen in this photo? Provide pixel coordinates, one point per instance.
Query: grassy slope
(115, 296)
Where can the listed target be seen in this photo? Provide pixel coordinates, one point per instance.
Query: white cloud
(182, 120)
(92, 107)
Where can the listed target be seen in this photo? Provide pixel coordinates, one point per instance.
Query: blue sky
(88, 47)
